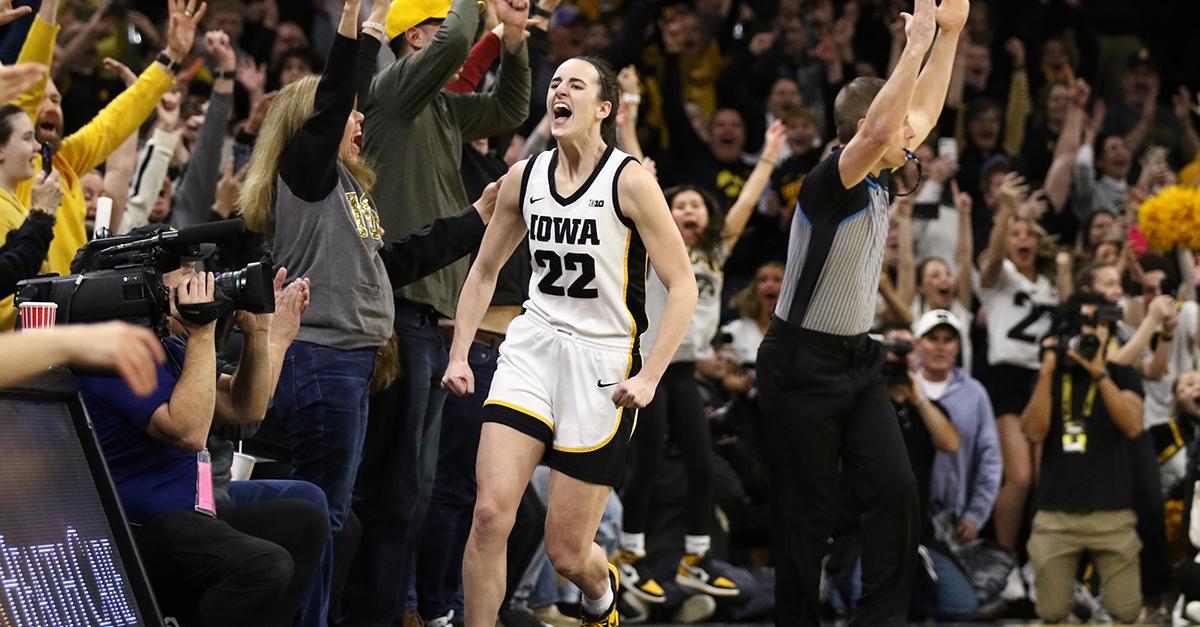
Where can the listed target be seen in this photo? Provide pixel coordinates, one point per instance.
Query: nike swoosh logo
(600, 384)
(533, 200)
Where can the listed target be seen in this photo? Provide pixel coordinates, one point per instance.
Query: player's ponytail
(610, 91)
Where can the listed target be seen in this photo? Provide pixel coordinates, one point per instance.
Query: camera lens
(249, 289)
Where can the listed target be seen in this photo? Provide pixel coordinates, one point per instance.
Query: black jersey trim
(636, 263)
(530, 164)
(616, 195)
(582, 188)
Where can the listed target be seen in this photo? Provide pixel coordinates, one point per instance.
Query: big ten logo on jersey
(366, 220)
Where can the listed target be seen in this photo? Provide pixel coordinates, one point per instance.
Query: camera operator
(1086, 411)
(246, 564)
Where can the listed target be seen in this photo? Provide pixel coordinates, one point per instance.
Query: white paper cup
(243, 467)
(38, 315)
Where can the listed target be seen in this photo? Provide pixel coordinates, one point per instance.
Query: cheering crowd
(364, 143)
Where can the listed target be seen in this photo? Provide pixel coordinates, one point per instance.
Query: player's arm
(642, 201)
(929, 94)
(501, 238)
(890, 107)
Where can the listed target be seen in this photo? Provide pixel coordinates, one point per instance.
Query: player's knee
(567, 557)
(492, 518)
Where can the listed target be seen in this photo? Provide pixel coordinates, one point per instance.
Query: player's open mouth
(561, 111)
(357, 141)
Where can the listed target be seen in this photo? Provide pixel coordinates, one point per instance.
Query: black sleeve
(368, 58)
(23, 252)
(435, 246)
(1126, 378)
(822, 195)
(309, 163)
(685, 145)
(626, 46)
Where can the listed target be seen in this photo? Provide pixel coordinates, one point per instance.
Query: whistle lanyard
(1074, 437)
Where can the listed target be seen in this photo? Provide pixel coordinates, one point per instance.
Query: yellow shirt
(88, 147)
(12, 216)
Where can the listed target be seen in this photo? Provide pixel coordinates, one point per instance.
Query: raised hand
(252, 76)
(513, 13)
(920, 25)
(952, 15)
(762, 42)
(47, 193)
(181, 26)
(774, 140)
(121, 70)
(1012, 190)
(168, 111)
(627, 78)
(17, 79)
(1016, 51)
(217, 42)
(8, 13)
(962, 201)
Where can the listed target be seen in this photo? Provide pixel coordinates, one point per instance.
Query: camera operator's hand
(1049, 354)
(47, 193)
(1096, 366)
(915, 393)
(194, 289)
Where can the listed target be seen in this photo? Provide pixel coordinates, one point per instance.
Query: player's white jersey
(1018, 316)
(589, 264)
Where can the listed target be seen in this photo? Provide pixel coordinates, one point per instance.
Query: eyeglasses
(906, 179)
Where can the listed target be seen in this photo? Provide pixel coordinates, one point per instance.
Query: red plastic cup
(38, 315)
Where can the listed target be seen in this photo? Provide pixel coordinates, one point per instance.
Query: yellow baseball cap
(405, 14)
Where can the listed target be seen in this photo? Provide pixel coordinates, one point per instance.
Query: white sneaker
(441, 621)
(1015, 589)
(1191, 611)
(695, 609)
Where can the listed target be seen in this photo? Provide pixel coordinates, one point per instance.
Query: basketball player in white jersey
(570, 377)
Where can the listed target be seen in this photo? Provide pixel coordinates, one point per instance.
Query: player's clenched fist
(459, 378)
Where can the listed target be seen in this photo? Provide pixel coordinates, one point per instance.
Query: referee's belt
(487, 338)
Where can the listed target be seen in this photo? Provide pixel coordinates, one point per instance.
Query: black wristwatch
(166, 60)
(226, 75)
(540, 12)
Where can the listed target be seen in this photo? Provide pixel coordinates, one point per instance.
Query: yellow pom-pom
(1171, 218)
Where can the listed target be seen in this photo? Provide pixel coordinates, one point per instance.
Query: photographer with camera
(1086, 410)
(246, 564)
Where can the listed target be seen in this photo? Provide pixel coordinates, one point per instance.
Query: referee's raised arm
(869, 138)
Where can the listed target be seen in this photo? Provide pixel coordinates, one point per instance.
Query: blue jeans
(448, 523)
(398, 470)
(314, 608)
(953, 600)
(322, 401)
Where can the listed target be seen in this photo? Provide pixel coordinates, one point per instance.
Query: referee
(818, 373)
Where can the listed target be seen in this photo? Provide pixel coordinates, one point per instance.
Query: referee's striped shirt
(835, 252)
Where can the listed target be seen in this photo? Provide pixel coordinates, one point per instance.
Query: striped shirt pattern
(835, 253)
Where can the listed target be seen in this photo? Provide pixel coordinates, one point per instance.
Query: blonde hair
(746, 301)
(293, 105)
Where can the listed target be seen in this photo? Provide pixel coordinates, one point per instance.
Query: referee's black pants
(823, 401)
